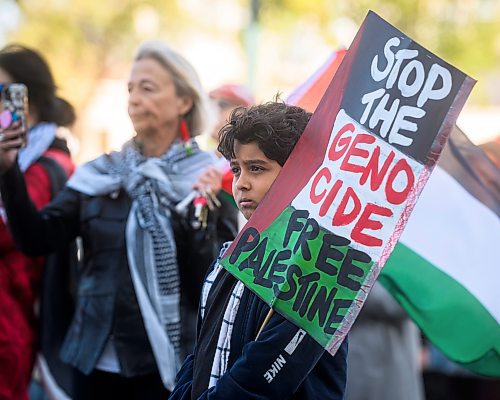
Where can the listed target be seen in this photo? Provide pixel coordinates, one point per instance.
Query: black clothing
(284, 362)
(101, 385)
(106, 301)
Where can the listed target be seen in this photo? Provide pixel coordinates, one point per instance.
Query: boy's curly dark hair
(274, 126)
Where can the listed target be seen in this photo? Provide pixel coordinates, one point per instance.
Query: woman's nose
(133, 97)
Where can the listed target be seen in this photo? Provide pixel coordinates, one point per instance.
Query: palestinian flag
(312, 90)
(445, 270)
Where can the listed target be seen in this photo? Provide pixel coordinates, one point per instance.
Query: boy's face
(254, 174)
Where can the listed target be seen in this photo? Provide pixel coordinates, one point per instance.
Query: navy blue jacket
(263, 369)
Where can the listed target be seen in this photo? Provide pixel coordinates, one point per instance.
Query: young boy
(229, 362)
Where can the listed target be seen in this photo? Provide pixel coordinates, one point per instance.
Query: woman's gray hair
(186, 81)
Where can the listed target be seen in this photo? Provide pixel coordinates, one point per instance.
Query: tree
(464, 33)
(85, 39)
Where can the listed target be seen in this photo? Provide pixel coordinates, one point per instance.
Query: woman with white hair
(143, 261)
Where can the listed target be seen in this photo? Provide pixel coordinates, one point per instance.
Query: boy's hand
(11, 140)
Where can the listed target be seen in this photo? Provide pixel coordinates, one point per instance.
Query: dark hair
(27, 66)
(274, 126)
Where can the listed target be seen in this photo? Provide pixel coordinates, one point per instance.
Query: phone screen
(14, 105)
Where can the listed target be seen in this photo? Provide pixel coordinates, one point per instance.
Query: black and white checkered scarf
(155, 185)
(221, 357)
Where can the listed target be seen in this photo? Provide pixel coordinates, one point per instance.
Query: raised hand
(11, 140)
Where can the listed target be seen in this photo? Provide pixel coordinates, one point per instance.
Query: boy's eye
(235, 170)
(256, 168)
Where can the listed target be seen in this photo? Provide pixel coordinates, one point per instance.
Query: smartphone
(14, 105)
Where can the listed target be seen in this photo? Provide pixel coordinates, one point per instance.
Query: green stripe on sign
(306, 273)
(428, 295)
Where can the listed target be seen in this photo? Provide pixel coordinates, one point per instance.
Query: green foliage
(465, 33)
(84, 40)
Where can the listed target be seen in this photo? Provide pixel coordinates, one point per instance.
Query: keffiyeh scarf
(221, 357)
(155, 185)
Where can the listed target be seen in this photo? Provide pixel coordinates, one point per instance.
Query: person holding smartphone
(143, 262)
(37, 153)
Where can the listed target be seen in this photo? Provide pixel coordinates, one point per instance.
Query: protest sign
(318, 240)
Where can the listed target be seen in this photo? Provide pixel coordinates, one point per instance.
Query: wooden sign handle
(266, 320)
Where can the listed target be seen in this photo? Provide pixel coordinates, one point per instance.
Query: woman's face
(153, 105)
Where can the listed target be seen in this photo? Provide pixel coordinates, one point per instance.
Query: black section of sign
(415, 76)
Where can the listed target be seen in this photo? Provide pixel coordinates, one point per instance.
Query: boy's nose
(242, 183)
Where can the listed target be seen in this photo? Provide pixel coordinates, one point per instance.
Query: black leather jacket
(106, 303)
